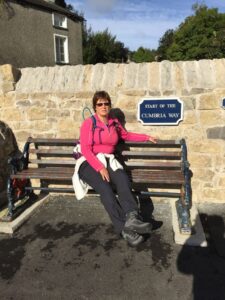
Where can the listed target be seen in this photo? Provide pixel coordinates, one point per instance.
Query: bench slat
(129, 164)
(136, 172)
(159, 144)
(53, 162)
(153, 165)
(139, 176)
(73, 142)
(53, 142)
(48, 170)
(52, 151)
(153, 154)
(126, 153)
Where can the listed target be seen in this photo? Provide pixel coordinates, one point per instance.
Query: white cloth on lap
(80, 187)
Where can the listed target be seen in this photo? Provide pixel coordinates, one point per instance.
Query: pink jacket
(104, 140)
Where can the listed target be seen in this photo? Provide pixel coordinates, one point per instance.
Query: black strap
(93, 128)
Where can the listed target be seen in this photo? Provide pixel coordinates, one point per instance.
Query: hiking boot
(132, 237)
(135, 224)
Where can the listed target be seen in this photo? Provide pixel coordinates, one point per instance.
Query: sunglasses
(102, 103)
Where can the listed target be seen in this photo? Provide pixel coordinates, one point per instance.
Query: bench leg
(13, 212)
(43, 184)
(183, 217)
(10, 196)
(183, 212)
(183, 205)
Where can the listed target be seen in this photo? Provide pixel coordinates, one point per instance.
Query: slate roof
(50, 6)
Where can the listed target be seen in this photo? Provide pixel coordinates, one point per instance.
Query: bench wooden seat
(152, 169)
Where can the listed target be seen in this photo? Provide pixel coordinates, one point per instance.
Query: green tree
(143, 55)
(201, 36)
(102, 47)
(164, 43)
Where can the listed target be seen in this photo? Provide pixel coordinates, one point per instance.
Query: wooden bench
(160, 170)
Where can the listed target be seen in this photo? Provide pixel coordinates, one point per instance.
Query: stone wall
(49, 101)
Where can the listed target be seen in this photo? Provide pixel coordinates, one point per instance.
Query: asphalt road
(68, 250)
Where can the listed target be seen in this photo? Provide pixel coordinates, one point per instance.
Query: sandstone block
(133, 92)
(53, 113)
(190, 117)
(209, 101)
(119, 76)
(72, 132)
(200, 160)
(178, 75)
(7, 100)
(22, 136)
(191, 74)
(7, 87)
(189, 103)
(154, 76)
(190, 131)
(37, 126)
(9, 73)
(166, 77)
(206, 70)
(50, 104)
(205, 146)
(194, 91)
(12, 114)
(74, 77)
(47, 135)
(109, 76)
(222, 181)
(78, 116)
(21, 96)
(127, 103)
(217, 195)
(130, 76)
(87, 76)
(216, 132)
(203, 174)
(41, 95)
(219, 72)
(208, 117)
(71, 103)
(65, 125)
(23, 103)
(36, 113)
(130, 117)
(142, 78)
(219, 162)
(98, 74)
(84, 94)
(65, 113)
(150, 93)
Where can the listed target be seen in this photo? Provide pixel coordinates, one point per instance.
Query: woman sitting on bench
(100, 169)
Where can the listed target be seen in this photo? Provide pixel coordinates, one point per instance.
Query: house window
(61, 49)
(59, 20)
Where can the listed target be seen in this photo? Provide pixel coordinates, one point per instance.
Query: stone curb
(196, 239)
(10, 227)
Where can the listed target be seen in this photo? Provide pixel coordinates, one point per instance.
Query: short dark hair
(100, 95)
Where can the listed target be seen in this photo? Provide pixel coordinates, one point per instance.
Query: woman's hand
(105, 174)
(152, 139)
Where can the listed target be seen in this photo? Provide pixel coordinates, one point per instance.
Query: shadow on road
(207, 265)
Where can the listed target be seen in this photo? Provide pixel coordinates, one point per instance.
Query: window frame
(66, 49)
(65, 22)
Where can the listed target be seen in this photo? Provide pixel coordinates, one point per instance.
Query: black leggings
(117, 209)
